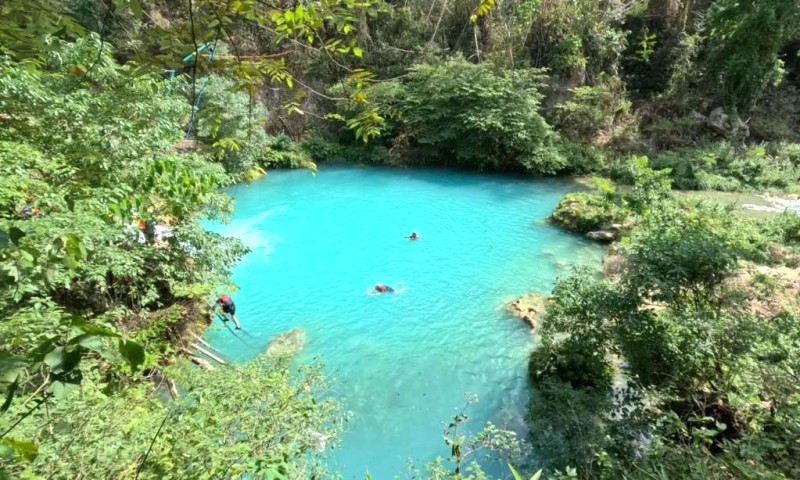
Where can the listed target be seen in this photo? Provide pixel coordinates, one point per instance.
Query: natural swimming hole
(404, 361)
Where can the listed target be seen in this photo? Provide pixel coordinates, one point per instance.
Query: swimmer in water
(413, 236)
(381, 288)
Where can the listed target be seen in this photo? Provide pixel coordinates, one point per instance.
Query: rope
(196, 106)
(171, 76)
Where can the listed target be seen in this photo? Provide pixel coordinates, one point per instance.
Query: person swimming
(413, 236)
(381, 288)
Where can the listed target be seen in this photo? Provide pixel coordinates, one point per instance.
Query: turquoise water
(403, 362)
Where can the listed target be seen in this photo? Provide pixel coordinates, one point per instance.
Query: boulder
(607, 235)
(776, 253)
(287, 343)
(721, 122)
(527, 307)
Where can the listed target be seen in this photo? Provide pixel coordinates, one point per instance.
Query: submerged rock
(527, 307)
(287, 343)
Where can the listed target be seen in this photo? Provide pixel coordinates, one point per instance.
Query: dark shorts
(229, 308)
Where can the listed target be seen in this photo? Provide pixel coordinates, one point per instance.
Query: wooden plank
(209, 354)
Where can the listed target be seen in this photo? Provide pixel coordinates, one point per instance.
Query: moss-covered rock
(585, 212)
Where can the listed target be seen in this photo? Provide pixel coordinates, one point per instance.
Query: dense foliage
(675, 367)
(214, 429)
(470, 116)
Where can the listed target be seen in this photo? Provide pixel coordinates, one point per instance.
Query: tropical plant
(472, 116)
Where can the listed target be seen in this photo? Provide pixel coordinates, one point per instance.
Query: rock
(721, 122)
(186, 145)
(613, 265)
(776, 253)
(602, 235)
(319, 440)
(527, 307)
(287, 343)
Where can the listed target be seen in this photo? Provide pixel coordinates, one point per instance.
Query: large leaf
(15, 234)
(11, 368)
(62, 360)
(517, 476)
(89, 341)
(24, 450)
(9, 395)
(132, 352)
(61, 390)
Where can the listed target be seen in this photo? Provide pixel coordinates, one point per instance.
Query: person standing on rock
(229, 308)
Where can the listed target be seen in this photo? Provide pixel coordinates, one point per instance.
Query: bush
(582, 158)
(582, 369)
(216, 423)
(777, 115)
(281, 152)
(720, 166)
(592, 111)
(475, 117)
(784, 228)
(321, 148)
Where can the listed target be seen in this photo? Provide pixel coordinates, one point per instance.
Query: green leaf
(15, 234)
(24, 450)
(11, 368)
(88, 340)
(358, 52)
(61, 360)
(61, 390)
(136, 8)
(9, 395)
(132, 352)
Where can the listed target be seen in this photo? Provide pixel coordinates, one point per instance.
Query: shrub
(582, 158)
(582, 369)
(592, 111)
(720, 166)
(474, 117)
(281, 152)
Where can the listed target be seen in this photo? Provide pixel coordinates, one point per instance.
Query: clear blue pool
(403, 362)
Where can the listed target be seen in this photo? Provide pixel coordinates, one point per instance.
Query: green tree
(475, 117)
(745, 41)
